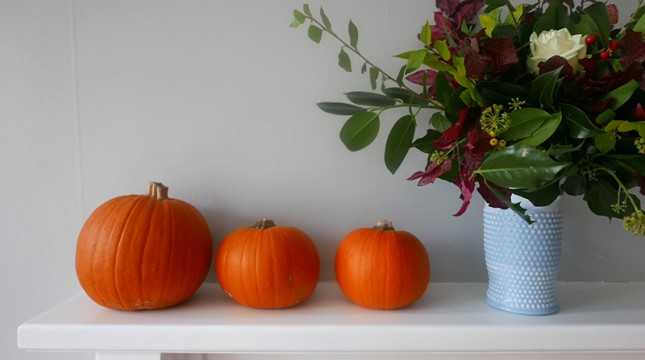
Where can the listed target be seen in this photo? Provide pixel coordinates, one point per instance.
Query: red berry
(590, 39)
(604, 55)
(613, 45)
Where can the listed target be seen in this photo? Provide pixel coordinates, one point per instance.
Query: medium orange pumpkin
(382, 268)
(268, 266)
(140, 252)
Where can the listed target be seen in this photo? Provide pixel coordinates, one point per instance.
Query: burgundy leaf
(633, 49)
(556, 62)
(442, 26)
(502, 53)
(472, 159)
(448, 6)
(431, 174)
(476, 65)
(589, 65)
(632, 72)
(467, 10)
(451, 135)
(417, 77)
(641, 183)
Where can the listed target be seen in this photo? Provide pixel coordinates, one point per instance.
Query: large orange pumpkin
(382, 268)
(268, 266)
(143, 251)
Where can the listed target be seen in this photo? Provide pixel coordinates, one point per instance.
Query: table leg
(115, 355)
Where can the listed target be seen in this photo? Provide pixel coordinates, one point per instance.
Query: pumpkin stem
(158, 190)
(263, 224)
(384, 225)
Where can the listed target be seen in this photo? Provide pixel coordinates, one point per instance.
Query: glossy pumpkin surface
(382, 268)
(140, 252)
(268, 266)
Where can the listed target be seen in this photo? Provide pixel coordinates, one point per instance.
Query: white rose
(556, 42)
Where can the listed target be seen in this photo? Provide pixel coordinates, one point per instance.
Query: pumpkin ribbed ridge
(382, 268)
(268, 267)
(143, 252)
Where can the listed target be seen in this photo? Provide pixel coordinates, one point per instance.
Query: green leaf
(621, 94)
(494, 4)
(374, 72)
(370, 99)
(442, 48)
(415, 61)
(440, 65)
(587, 25)
(426, 34)
(401, 75)
(542, 133)
(600, 195)
(306, 10)
(545, 86)
(640, 24)
(338, 108)
(578, 123)
(426, 143)
(344, 61)
(605, 116)
(598, 12)
(443, 89)
(405, 55)
(298, 19)
(498, 92)
(638, 126)
(575, 185)
(360, 130)
(542, 196)
(440, 122)
(364, 68)
(325, 19)
(554, 18)
(399, 142)
(517, 209)
(524, 122)
(353, 34)
(605, 142)
(488, 23)
(506, 31)
(633, 163)
(315, 33)
(404, 95)
(627, 126)
(525, 168)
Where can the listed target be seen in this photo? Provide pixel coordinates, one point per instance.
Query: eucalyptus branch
(357, 52)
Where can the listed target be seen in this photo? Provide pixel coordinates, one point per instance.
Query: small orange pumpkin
(381, 268)
(268, 266)
(139, 252)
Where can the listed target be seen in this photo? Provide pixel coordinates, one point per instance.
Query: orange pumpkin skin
(139, 252)
(382, 268)
(268, 266)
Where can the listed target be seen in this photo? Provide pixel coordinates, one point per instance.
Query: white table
(451, 318)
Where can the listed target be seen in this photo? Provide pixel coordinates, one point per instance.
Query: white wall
(217, 100)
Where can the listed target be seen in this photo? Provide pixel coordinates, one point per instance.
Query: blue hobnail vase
(522, 259)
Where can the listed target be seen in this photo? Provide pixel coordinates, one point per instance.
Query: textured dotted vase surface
(522, 259)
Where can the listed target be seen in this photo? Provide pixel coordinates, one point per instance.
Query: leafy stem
(621, 186)
(324, 25)
(511, 10)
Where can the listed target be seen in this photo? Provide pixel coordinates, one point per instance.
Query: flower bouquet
(536, 100)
